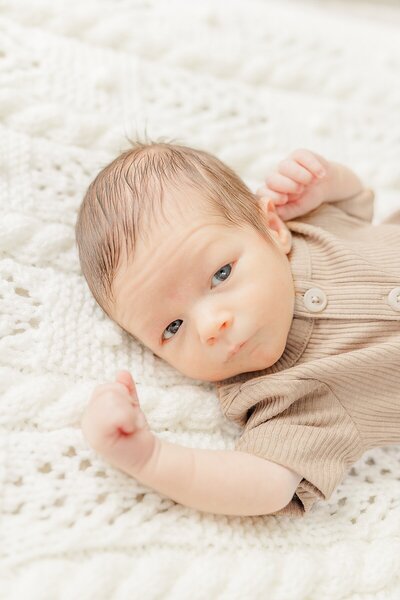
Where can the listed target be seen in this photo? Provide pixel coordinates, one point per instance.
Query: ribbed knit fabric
(335, 391)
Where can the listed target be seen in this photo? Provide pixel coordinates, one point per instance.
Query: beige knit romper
(335, 391)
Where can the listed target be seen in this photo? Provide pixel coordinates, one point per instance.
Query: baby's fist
(115, 426)
(297, 185)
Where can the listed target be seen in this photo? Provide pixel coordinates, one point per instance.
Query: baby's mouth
(235, 350)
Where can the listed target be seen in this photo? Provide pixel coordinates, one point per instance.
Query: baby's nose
(215, 329)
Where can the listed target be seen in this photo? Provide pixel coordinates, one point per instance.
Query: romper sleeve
(299, 424)
(393, 218)
(360, 205)
(340, 215)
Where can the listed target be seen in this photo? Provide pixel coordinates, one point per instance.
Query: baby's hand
(115, 426)
(298, 185)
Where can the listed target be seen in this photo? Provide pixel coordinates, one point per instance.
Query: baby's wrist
(341, 182)
(330, 183)
(145, 470)
(151, 448)
(130, 453)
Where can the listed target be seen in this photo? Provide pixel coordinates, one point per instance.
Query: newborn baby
(281, 313)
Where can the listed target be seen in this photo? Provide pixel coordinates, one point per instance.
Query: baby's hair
(131, 187)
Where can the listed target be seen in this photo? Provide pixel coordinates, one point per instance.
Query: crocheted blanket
(249, 81)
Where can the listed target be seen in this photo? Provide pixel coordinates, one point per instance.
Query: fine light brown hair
(116, 208)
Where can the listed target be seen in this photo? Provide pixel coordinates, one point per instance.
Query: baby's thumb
(125, 378)
(289, 211)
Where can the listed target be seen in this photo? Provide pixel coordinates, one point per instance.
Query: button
(315, 299)
(394, 298)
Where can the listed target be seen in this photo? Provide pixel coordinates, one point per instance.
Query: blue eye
(173, 326)
(222, 273)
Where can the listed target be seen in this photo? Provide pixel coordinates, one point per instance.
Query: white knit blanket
(249, 81)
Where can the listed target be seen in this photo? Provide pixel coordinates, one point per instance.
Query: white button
(315, 299)
(394, 298)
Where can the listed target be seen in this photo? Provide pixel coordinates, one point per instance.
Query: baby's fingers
(291, 168)
(263, 194)
(124, 419)
(289, 211)
(280, 183)
(107, 416)
(125, 378)
(311, 161)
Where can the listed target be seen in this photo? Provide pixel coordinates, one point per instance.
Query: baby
(296, 321)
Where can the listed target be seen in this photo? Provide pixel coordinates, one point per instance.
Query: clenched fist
(298, 185)
(115, 426)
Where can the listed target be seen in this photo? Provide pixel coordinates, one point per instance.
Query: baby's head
(176, 249)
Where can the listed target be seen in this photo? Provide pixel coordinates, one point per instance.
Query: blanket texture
(249, 81)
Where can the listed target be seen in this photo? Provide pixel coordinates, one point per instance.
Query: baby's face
(196, 289)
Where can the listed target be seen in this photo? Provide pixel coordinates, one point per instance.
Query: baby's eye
(174, 328)
(222, 274)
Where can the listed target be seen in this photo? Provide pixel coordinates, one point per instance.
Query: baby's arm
(220, 481)
(225, 482)
(341, 184)
(303, 181)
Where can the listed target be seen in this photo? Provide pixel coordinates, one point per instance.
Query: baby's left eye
(223, 272)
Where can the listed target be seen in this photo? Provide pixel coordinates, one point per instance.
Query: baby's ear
(278, 228)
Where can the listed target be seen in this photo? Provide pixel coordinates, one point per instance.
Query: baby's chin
(230, 370)
(226, 370)
(257, 359)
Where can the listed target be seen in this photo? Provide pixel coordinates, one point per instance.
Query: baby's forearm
(343, 183)
(219, 481)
